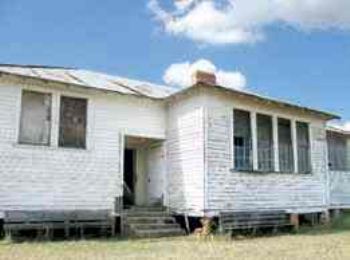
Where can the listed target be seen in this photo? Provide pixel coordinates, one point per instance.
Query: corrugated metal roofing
(101, 81)
(90, 79)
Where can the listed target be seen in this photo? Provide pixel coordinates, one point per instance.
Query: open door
(144, 171)
(129, 177)
(155, 166)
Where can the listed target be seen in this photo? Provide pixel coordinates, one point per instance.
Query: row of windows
(243, 146)
(35, 129)
(35, 121)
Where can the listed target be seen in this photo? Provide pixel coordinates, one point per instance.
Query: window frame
(308, 132)
(60, 97)
(275, 141)
(232, 141)
(19, 120)
(272, 153)
(292, 170)
(333, 139)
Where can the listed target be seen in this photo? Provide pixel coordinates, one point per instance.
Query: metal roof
(338, 130)
(283, 103)
(267, 100)
(101, 81)
(89, 79)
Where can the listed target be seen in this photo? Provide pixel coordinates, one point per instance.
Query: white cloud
(183, 4)
(231, 79)
(242, 21)
(180, 74)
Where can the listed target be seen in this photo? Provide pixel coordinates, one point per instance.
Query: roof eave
(79, 85)
(324, 115)
(337, 130)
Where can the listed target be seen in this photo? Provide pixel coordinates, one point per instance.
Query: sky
(299, 51)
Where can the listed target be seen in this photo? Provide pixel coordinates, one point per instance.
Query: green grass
(343, 223)
(331, 243)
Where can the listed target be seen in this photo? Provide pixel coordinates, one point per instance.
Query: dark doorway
(129, 177)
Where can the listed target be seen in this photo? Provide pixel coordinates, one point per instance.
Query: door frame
(123, 139)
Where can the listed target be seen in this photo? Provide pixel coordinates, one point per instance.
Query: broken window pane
(265, 143)
(303, 141)
(73, 122)
(285, 145)
(35, 122)
(242, 141)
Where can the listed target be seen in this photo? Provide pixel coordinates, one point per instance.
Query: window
(35, 121)
(285, 145)
(303, 143)
(265, 143)
(73, 122)
(291, 153)
(337, 152)
(242, 141)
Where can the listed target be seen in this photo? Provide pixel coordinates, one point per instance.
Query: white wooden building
(73, 139)
(339, 168)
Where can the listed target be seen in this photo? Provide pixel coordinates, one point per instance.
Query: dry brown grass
(317, 243)
(333, 246)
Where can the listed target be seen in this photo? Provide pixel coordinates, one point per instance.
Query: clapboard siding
(340, 189)
(197, 128)
(227, 190)
(185, 155)
(57, 178)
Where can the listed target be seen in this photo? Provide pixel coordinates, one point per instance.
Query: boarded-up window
(73, 122)
(265, 143)
(242, 141)
(35, 124)
(285, 145)
(303, 141)
(337, 152)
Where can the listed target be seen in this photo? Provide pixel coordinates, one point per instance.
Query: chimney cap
(200, 76)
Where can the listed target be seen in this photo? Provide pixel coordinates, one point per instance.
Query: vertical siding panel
(185, 156)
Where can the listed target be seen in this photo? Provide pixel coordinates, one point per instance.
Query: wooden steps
(151, 222)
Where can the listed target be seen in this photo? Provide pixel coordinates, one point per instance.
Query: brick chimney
(203, 77)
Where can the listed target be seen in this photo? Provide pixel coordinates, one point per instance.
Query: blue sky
(310, 67)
